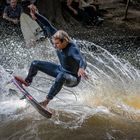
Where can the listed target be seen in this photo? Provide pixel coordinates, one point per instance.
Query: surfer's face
(59, 44)
(13, 3)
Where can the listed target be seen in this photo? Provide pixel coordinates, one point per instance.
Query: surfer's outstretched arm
(44, 23)
(48, 29)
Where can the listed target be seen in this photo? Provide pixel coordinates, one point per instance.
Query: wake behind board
(31, 100)
(31, 31)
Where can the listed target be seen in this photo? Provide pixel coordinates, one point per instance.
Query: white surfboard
(32, 32)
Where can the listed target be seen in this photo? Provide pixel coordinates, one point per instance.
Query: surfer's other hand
(82, 73)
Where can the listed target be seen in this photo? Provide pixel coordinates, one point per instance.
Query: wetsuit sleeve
(76, 54)
(44, 23)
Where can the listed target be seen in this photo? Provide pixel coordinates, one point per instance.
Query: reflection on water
(133, 101)
(106, 106)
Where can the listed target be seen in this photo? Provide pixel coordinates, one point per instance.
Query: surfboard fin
(23, 97)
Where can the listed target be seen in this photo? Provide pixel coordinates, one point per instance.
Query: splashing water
(112, 87)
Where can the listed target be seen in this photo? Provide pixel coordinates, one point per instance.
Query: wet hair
(62, 35)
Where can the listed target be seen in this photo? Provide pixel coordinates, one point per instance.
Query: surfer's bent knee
(34, 63)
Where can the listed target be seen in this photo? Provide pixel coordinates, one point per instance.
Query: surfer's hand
(33, 16)
(75, 12)
(82, 73)
(32, 8)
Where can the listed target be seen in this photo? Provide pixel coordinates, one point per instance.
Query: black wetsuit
(70, 61)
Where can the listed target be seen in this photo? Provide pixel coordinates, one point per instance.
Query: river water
(104, 107)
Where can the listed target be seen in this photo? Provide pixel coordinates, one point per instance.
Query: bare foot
(21, 80)
(44, 103)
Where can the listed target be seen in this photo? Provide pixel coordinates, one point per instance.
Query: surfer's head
(60, 39)
(13, 3)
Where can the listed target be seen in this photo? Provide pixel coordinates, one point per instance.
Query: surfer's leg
(57, 86)
(71, 81)
(46, 67)
(62, 79)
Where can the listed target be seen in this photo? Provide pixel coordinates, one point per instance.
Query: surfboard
(31, 30)
(31, 100)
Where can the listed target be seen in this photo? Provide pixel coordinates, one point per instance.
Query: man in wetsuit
(72, 64)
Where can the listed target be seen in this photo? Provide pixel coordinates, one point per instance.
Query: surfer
(72, 63)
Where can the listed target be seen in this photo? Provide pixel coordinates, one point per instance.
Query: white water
(112, 88)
